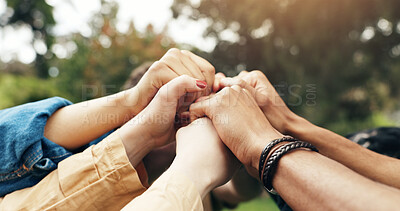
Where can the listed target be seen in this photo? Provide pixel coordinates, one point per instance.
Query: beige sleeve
(99, 178)
(172, 191)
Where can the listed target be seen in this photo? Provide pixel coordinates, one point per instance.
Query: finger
(171, 59)
(242, 73)
(192, 67)
(218, 77)
(179, 86)
(184, 119)
(248, 93)
(210, 106)
(200, 109)
(237, 88)
(195, 72)
(228, 82)
(163, 72)
(185, 115)
(206, 67)
(202, 98)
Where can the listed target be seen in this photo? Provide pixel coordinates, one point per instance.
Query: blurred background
(335, 62)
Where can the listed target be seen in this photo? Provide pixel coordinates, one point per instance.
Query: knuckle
(157, 66)
(257, 73)
(186, 52)
(167, 58)
(241, 83)
(236, 87)
(211, 69)
(243, 72)
(173, 51)
(184, 77)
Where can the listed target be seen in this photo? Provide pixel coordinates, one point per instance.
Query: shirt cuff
(101, 169)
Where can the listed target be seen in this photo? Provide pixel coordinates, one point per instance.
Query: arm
(202, 163)
(306, 180)
(380, 168)
(104, 171)
(309, 181)
(76, 125)
(377, 167)
(100, 176)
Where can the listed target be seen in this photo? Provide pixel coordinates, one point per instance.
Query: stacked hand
(173, 64)
(264, 93)
(239, 121)
(235, 117)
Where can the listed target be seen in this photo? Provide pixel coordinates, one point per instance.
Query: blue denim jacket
(26, 155)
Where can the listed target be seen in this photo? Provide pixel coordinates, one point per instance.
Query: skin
(201, 157)
(306, 180)
(236, 115)
(372, 165)
(78, 124)
(154, 126)
(199, 145)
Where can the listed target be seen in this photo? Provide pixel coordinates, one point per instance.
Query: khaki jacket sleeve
(99, 178)
(172, 191)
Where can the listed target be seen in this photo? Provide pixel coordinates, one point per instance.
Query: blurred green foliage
(38, 15)
(258, 204)
(315, 52)
(349, 51)
(16, 90)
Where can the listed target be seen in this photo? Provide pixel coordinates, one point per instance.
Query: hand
(173, 64)
(154, 126)
(239, 122)
(202, 157)
(272, 105)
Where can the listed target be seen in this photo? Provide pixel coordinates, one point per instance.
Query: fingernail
(201, 84)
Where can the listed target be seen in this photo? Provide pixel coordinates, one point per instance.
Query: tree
(104, 61)
(38, 15)
(348, 50)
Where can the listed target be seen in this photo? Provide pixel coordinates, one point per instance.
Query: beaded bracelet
(272, 161)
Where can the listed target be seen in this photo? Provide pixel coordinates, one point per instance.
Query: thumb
(216, 86)
(200, 109)
(179, 86)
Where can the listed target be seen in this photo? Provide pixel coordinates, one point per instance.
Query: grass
(258, 204)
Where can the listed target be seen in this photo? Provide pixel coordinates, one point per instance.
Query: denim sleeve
(28, 156)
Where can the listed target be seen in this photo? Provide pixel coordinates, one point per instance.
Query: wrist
(203, 183)
(135, 99)
(281, 117)
(128, 101)
(260, 143)
(137, 144)
(297, 126)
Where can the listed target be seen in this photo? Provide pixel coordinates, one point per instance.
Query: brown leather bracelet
(272, 161)
(267, 149)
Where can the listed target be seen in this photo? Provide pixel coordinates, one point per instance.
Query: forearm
(309, 181)
(100, 176)
(76, 125)
(173, 190)
(375, 166)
